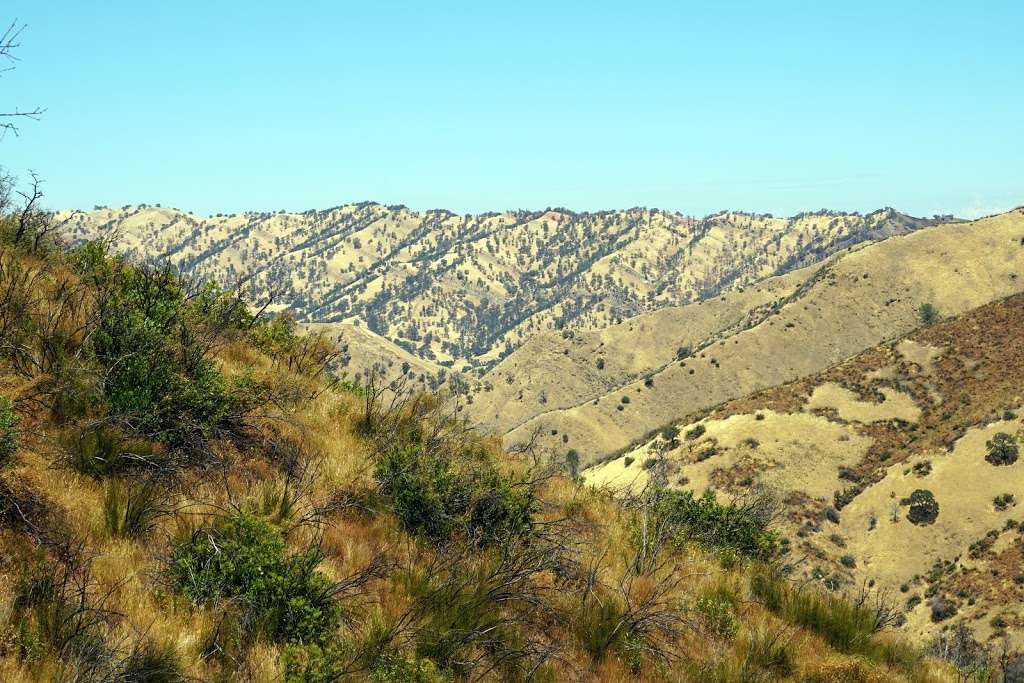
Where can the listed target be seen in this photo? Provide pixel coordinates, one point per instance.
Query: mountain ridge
(469, 289)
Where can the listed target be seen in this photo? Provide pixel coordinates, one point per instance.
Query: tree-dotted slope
(856, 300)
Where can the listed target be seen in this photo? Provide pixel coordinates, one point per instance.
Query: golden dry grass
(128, 577)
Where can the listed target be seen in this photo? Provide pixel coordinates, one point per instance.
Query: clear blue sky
(691, 106)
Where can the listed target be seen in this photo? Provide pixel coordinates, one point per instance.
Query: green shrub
(437, 494)
(221, 310)
(274, 335)
(93, 262)
(157, 372)
(928, 314)
(695, 433)
(243, 557)
(330, 663)
(353, 387)
(841, 499)
(743, 529)
(312, 663)
(941, 608)
(718, 612)
(394, 668)
(9, 437)
(1003, 502)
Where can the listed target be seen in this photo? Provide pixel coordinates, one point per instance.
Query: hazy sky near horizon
(476, 106)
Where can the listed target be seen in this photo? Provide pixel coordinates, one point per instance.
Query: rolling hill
(795, 326)
(887, 466)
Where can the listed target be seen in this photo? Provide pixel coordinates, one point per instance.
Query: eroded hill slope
(557, 370)
(853, 302)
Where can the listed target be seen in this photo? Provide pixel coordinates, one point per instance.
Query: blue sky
(771, 106)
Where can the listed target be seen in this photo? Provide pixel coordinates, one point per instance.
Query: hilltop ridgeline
(464, 291)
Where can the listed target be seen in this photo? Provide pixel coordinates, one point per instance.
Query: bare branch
(8, 44)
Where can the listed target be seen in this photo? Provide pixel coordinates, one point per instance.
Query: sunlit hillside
(464, 291)
(899, 468)
(773, 332)
(189, 494)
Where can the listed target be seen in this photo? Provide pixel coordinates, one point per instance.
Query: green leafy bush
(743, 529)
(9, 439)
(1003, 501)
(151, 344)
(243, 557)
(311, 354)
(394, 668)
(93, 262)
(718, 612)
(928, 314)
(274, 335)
(437, 494)
(313, 663)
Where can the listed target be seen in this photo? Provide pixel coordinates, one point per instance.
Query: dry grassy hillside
(187, 494)
(365, 354)
(848, 448)
(853, 302)
(466, 290)
(555, 370)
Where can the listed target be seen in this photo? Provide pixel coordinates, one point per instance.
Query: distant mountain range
(465, 291)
